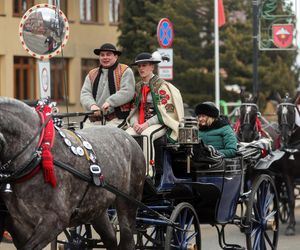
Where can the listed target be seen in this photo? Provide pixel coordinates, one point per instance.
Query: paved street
(233, 235)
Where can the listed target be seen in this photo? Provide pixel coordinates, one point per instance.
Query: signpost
(165, 67)
(165, 36)
(44, 75)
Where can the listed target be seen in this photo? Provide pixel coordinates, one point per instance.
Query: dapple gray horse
(37, 212)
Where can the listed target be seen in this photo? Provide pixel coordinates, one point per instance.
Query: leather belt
(108, 117)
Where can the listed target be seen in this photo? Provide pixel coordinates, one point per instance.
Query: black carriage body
(213, 191)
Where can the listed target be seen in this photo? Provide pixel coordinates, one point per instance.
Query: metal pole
(217, 63)
(255, 7)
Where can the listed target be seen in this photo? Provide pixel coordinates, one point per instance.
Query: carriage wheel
(152, 237)
(284, 209)
(262, 215)
(187, 236)
(74, 239)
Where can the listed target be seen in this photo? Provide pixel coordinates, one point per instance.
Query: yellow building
(91, 23)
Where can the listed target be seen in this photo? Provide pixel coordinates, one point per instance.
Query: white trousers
(149, 135)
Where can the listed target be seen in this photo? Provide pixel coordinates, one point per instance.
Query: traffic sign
(165, 34)
(44, 76)
(165, 73)
(166, 57)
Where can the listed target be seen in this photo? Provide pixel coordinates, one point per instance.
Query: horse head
(286, 120)
(248, 116)
(246, 129)
(18, 123)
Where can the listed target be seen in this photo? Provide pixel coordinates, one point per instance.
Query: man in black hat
(109, 88)
(157, 110)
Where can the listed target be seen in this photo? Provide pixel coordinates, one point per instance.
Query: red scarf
(145, 91)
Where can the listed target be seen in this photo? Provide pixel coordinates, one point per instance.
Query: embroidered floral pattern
(163, 96)
(164, 101)
(162, 92)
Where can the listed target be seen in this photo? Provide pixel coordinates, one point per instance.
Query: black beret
(207, 108)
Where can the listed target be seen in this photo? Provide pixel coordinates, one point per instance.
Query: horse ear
(242, 95)
(255, 98)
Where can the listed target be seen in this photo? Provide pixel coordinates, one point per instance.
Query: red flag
(221, 13)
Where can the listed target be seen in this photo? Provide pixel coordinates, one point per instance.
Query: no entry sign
(165, 34)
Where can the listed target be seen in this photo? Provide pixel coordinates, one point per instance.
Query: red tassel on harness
(48, 167)
(46, 145)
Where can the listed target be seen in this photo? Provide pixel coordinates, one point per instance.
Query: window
(88, 10)
(21, 6)
(62, 4)
(114, 11)
(86, 66)
(2, 8)
(59, 78)
(24, 78)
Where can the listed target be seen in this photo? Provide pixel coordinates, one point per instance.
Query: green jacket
(221, 136)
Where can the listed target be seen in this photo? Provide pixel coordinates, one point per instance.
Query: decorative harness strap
(84, 148)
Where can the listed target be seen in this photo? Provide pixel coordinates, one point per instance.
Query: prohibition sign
(165, 33)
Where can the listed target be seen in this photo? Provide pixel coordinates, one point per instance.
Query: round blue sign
(165, 33)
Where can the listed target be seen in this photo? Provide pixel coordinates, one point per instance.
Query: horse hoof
(290, 231)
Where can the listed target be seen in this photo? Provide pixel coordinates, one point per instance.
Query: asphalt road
(233, 235)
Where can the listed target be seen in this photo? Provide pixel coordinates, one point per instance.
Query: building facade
(91, 23)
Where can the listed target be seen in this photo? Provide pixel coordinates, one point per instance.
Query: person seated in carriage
(157, 109)
(215, 129)
(109, 88)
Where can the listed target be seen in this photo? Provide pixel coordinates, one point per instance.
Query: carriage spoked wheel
(284, 209)
(151, 237)
(187, 235)
(75, 238)
(262, 216)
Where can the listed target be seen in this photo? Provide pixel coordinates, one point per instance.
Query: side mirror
(44, 31)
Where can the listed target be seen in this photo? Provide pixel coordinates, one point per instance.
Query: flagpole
(217, 62)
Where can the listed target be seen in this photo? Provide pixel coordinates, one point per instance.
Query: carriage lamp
(188, 131)
(188, 135)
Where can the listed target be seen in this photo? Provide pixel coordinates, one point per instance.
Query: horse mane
(16, 108)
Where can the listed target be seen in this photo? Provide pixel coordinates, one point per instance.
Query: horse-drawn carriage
(194, 185)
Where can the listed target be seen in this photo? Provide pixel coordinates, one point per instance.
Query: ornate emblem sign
(283, 35)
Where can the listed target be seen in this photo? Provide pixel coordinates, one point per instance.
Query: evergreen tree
(193, 47)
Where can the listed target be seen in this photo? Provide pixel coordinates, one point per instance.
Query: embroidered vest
(122, 111)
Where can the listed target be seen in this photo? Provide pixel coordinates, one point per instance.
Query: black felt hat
(207, 108)
(145, 57)
(107, 47)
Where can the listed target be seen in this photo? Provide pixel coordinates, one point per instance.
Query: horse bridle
(284, 112)
(6, 175)
(246, 120)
